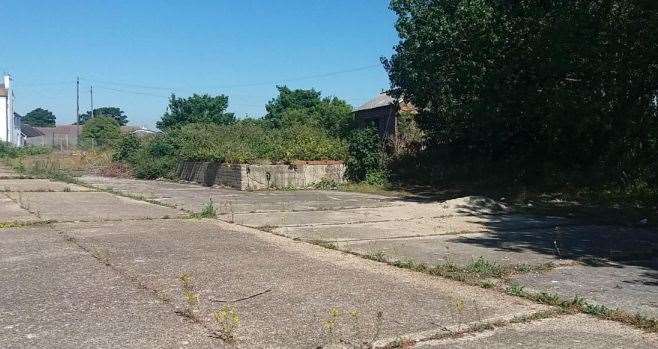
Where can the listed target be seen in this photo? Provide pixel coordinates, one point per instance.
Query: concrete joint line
(490, 324)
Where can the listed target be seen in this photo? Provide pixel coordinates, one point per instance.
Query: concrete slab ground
(53, 295)
(10, 211)
(193, 196)
(442, 249)
(574, 331)
(69, 206)
(38, 185)
(629, 287)
(455, 231)
(299, 284)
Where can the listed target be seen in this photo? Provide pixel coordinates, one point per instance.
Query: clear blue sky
(240, 48)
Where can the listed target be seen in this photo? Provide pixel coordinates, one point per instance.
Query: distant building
(61, 136)
(139, 131)
(383, 112)
(31, 135)
(10, 122)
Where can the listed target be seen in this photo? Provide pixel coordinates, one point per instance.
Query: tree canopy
(39, 118)
(308, 107)
(100, 131)
(537, 88)
(196, 109)
(112, 112)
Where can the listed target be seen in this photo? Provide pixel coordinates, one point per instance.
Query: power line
(299, 78)
(130, 92)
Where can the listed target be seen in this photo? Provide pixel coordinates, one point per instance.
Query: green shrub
(156, 158)
(100, 131)
(8, 150)
(127, 147)
(366, 154)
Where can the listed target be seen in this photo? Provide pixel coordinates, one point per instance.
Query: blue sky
(136, 53)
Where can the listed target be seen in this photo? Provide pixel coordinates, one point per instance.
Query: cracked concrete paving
(573, 331)
(37, 185)
(11, 212)
(306, 281)
(52, 294)
(72, 206)
(55, 293)
(456, 231)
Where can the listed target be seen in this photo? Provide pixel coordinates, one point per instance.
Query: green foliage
(112, 112)
(196, 109)
(533, 91)
(100, 131)
(39, 118)
(126, 147)
(156, 158)
(9, 151)
(307, 107)
(249, 142)
(366, 155)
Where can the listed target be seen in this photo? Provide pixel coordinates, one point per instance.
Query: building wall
(382, 117)
(3, 119)
(258, 177)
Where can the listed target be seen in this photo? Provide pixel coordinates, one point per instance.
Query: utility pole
(91, 93)
(77, 103)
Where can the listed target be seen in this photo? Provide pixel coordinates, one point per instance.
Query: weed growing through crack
(227, 321)
(379, 256)
(341, 323)
(208, 211)
(191, 298)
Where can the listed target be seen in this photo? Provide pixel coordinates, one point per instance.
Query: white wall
(3, 119)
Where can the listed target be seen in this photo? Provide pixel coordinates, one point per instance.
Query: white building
(10, 123)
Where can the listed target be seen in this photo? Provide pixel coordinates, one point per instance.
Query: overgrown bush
(8, 150)
(100, 131)
(126, 147)
(156, 158)
(366, 155)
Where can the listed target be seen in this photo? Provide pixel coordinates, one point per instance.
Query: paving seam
(403, 220)
(138, 284)
(21, 205)
(448, 332)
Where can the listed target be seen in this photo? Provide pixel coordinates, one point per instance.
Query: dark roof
(60, 130)
(382, 100)
(29, 131)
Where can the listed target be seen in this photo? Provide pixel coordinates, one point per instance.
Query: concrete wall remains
(257, 177)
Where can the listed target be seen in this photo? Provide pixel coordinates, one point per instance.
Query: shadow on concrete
(592, 245)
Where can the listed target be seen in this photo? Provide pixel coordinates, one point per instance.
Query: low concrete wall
(257, 177)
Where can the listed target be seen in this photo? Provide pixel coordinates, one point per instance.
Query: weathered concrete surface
(456, 231)
(629, 287)
(193, 197)
(54, 295)
(306, 281)
(442, 249)
(68, 206)
(10, 211)
(575, 331)
(38, 185)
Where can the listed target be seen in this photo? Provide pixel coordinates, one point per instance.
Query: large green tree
(534, 87)
(39, 118)
(196, 109)
(112, 112)
(308, 107)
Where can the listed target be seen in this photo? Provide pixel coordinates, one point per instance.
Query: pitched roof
(29, 131)
(382, 100)
(60, 130)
